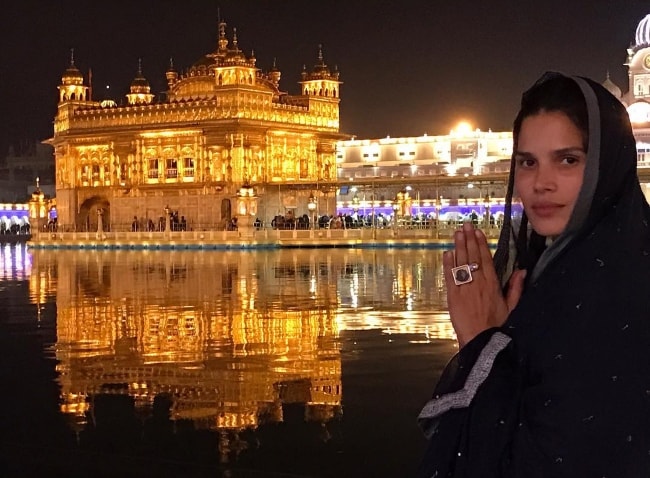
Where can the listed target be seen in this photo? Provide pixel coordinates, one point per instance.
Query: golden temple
(221, 124)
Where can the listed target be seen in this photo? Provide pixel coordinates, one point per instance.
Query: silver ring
(463, 274)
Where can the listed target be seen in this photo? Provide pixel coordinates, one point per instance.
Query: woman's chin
(548, 228)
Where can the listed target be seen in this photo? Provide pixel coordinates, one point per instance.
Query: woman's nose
(545, 178)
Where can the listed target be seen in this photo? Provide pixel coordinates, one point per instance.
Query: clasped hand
(477, 305)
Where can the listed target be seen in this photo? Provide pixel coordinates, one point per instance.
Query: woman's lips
(546, 209)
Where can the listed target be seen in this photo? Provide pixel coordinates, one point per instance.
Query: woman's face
(549, 168)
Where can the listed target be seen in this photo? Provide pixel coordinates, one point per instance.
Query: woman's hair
(552, 93)
(556, 94)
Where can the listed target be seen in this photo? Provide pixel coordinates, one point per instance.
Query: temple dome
(72, 76)
(140, 84)
(639, 112)
(612, 87)
(642, 36)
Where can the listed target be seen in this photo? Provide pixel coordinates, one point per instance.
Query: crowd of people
(175, 223)
(14, 228)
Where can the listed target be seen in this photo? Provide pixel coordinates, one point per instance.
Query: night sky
(409, 67)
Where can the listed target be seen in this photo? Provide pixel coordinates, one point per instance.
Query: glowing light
(463, 128)
(639, 112)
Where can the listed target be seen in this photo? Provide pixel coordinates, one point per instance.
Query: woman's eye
(570, 160)
(526, 162)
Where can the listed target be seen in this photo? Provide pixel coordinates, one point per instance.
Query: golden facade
(222, 123)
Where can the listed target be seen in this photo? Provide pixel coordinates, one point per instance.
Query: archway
(87, 216)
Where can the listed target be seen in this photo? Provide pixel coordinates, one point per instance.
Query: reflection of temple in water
(230, 338)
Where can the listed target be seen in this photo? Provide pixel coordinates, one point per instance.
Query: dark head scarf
(610, 173)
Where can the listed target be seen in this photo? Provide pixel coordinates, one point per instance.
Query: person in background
(552, 378)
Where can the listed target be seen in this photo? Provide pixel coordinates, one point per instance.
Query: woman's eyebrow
(569, 150)
(523, 154)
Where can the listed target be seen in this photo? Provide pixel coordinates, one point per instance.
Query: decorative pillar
(311, 206)
(100, 223)
(167, 221)
(246, 209)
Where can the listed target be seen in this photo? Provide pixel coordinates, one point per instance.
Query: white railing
(272, 236)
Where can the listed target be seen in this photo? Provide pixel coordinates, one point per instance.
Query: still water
(285, 363)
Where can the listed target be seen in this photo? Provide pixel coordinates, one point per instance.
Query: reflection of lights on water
(354, 291)
(290, 317)
(409, 301)
(16, 262)
(312, 286)
(6, 263)
(432, 325)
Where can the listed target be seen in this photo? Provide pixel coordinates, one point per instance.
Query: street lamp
(486, 205)
(355, 203)
(311, 206)
(37, 208)
(395, 213)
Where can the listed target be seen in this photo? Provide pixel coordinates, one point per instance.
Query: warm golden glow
(229, 335)
(169, 134)
(463, 128)
(220, 122)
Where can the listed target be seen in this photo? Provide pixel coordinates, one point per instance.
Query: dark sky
(409, 67)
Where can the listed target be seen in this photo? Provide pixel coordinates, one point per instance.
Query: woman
(553, 375)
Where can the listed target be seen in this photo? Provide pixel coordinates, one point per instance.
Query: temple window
(171, 168)
(85, 175)
(188, 167)
(95, 178)
(304, 171)
(153, 169)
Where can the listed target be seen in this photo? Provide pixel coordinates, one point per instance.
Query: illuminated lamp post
(311, 206)
(437, 205)
(355, 210)
(37, 210)
(246, 209)
(395, 214)
(355, 204)
(486, 205)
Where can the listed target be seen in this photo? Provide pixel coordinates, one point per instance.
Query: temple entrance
(87, 217)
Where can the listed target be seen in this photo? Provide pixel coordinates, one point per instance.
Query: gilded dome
(72, 76)
(140, 83)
